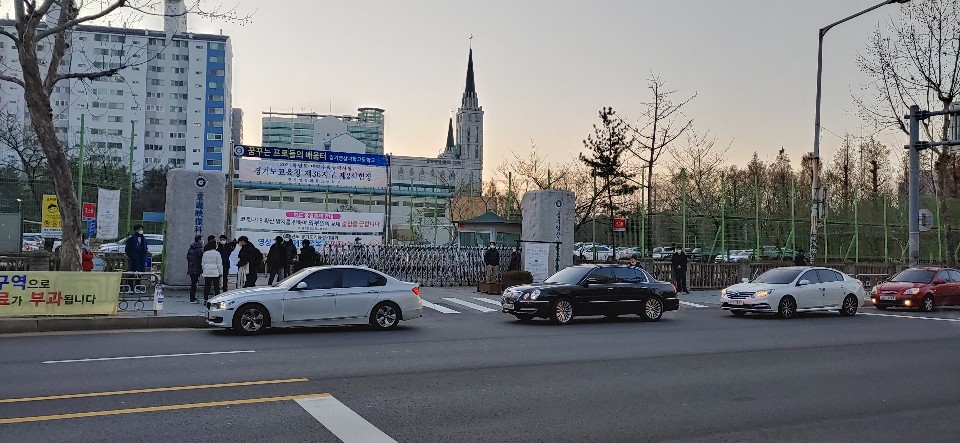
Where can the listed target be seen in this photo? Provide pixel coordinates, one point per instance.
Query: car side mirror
(939, 281)
(803, 282)
(301, 286)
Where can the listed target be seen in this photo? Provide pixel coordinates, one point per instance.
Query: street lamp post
(815, 182)
(20, 211)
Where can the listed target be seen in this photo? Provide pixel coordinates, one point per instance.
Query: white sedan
(786, 291)
(319, 296)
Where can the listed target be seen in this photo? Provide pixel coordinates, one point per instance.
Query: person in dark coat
(491, 260)
(308, 256)
(250, 257)
(225, 248)
(291, 250)
(514, 260)
(799, 259)
(276, 260)
(194, 268)
(679, 262)
(136, 250)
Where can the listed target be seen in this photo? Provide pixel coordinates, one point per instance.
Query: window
(153, 41)
(215, 111)
(178, 135)
(118, 39)
(157, 134)
(215, 45)
(214, 136)
(155, 69)
(154, 108)
(215, 123)
(603, 276)
(101, 51)
(213, 149)
(176, 109)
(157, 82)
(360, 278)
(154, 94)
(631, 275)
(152, 147)
(215, 98)
(179, 57)
(217, 72)
(153, 121)
(325, 279)
(179, 70)
(115, 105)
(215, 85)
(954, 275)
(113, 145)
(116, 52)
(101, 38)
(115, 119)
(827, 276)
(177, 162)
(178, 83)
(216, 163)
(811, 275)
(178, 148)
(178, 121)
(216, 59)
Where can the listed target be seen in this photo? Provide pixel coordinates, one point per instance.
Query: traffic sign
(88, 211)
(619, 224)
(926, 220)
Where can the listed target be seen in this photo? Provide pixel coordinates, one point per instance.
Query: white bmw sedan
(786, 291)
(319, 296)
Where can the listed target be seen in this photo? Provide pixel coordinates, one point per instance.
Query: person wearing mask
(212, 266)
(799, 259)
(225, 248)
(291, 253)
(679, 264)
(194, 267)
(308, 256)
(86, 255)
(633, 261)
(136, 250)
(514, 260)
(249, 261)
(491, 260)
(276, 260)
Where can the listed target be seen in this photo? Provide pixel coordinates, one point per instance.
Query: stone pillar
(196, 205)
(548, 218)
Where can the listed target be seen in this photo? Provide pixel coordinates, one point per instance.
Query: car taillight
(416, 290)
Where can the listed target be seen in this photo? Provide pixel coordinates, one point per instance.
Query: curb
(22, 325)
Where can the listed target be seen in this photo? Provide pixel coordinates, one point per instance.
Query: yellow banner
(58, 293)
(50, 217)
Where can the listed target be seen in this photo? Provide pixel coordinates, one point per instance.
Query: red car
(924, 288)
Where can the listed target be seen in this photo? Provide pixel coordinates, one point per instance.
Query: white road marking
(693, 305)
(910, 316)
(439, 308)
(488, 300)
(469, 305)
(139, 357)
(347, 425)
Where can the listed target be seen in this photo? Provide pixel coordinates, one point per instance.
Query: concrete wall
(185, 219)
(548, 216)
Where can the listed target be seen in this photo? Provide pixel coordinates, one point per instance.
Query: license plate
(735, 302)
(888, 297)
(508, 306)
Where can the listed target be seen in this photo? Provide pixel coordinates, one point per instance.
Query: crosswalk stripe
(693, 305)
(488, 300)
(439, 308)
(874, 314)
(469, 305)
(342, 421)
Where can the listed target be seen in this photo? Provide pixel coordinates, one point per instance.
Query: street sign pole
(913, 206)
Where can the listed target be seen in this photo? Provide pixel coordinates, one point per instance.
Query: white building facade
(170, 107)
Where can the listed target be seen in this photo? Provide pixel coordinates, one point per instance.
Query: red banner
(88, 211)
(619, 224)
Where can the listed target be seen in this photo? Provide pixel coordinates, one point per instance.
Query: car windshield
(569, 276)
(914, 276)
(778, 276)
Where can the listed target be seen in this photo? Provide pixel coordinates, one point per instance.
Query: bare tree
(24, 153)
(49, 22)
(916, 61)
(661, 123)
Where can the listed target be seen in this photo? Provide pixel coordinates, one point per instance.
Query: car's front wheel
(385, 315)
(927, 304)
(849, 306)
(652, 309)
(787, 308)
(561, 311)
(251, 319)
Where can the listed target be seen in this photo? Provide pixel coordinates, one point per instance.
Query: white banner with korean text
(290, 220)
(307, 173)
(263, 240)
(535, 256)
(108, 213)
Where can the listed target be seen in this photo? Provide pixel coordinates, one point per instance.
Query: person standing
(225, 249)
(86, 255)
(308, 256)
(799, 259)
(136, 250)
(491, 258)
(276, 260)
(249, 259)
(679, 264)
(291, 253)
(194, 267)
(514, 260)
(212, 267)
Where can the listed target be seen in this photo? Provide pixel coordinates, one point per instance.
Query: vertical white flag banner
(108, 213)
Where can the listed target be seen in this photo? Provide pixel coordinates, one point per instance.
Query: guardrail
(136, 290)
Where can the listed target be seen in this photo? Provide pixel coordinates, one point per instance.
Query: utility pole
(913, 204)
(80, 172)
(133, 128)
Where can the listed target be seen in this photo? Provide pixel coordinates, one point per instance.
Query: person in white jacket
(212, 264)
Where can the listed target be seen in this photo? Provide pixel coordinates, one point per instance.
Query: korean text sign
(286, 220)
(307, 173)
(58, 293)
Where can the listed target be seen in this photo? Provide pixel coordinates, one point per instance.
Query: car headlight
(761, 294)
(532, 295)
(723, 292)
(912, 291)
(220, 305)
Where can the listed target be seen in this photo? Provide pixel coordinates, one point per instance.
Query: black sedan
(608, 290)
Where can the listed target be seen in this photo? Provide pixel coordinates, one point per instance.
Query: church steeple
(450, 143)
(471, 87)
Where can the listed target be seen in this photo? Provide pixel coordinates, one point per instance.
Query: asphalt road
(697, 375)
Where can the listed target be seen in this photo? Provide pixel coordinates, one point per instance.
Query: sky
(544, 68)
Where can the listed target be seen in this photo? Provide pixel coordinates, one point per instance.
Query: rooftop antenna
(331, 105)
(471, 40)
